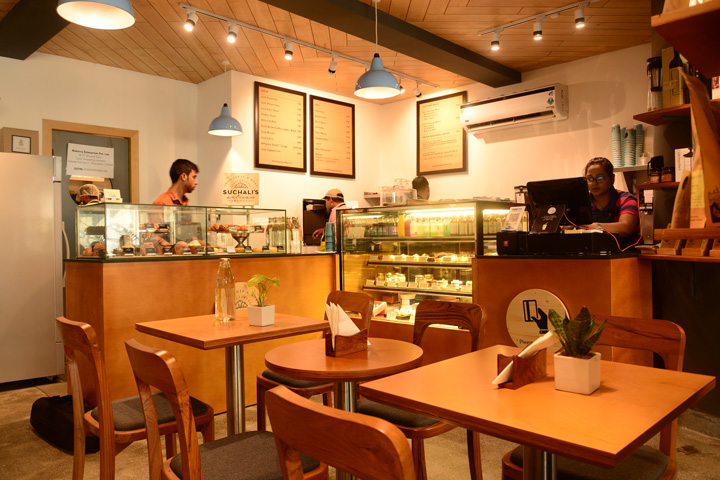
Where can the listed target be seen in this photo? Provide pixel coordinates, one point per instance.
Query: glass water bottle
(225, 292)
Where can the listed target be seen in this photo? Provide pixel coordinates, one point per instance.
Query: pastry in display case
(123, 231)
(404, 254)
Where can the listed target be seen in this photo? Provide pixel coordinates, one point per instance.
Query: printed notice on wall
(441, 140)
(332, 146)
(90, 161)
(279, 128)
(241, 189)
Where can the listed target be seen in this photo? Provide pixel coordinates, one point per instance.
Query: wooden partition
(113, 295)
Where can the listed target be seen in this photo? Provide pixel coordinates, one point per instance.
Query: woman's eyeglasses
(598, 179)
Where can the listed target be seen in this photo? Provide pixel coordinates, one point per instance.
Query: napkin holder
(525, 370)
(346, 345)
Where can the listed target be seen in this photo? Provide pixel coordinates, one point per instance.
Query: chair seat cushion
(128, 412)
(244, 456)
(393, 415)
(645, 464)
(292, 382)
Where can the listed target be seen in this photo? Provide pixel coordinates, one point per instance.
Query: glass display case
(404, 254)
(123, 231)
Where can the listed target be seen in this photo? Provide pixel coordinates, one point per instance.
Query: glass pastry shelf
(425, 291)
(463, 238)
(458, 265)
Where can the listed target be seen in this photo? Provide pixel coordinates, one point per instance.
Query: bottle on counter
(296, 236)
(224, 292)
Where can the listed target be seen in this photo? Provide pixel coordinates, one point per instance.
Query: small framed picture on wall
(21, 144)
(18, 140)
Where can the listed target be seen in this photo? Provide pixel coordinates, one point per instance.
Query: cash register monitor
(568, 194)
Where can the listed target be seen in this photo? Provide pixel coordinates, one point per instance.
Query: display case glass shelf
(404, 254)
(126, 231)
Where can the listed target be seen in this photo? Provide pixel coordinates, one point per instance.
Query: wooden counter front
(614, 286)
(114, 296)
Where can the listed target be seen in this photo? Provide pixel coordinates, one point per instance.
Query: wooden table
(632, 404)
(307, 360)
(205, 333)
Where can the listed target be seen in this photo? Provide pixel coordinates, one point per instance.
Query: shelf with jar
(404, 254)
(115, 231)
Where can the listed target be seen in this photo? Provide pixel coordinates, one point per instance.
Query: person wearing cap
(183, 175)
(88, 194)
(334, 199)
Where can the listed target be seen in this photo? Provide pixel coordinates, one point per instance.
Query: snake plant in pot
(261, 314)
(577, 368)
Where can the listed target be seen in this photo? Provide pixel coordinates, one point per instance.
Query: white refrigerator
(31, 289)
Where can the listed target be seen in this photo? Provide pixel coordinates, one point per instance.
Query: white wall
(172, 118)
(603, 90)
(56, 88)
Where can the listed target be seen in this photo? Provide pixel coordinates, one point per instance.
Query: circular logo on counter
(528, 316)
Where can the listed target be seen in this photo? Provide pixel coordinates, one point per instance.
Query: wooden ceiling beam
(358, 19)
(28, 26)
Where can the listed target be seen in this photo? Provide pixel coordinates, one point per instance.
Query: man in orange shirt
(183, 174)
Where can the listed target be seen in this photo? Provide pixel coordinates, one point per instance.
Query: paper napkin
(340, 322)
(547, 340)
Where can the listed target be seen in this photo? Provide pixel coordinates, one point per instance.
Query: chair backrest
(662, 337)
(464, 315)
(355, 302)
(81, 343)
(368, 447)
(157, 368)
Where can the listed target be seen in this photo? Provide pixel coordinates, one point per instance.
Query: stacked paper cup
(639, 142)
(616, 150)
(628, 154)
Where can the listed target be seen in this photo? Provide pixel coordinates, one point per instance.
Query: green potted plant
(261, 314)
(577, 368)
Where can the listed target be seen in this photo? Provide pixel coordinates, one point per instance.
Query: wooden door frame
(132, 135)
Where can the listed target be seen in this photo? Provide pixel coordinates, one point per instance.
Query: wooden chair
(667, 340)
(117, 423)
(354, 302)
(418, 427)
(247, 456)
(368, 447)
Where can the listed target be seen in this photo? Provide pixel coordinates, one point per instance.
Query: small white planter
(261, 316)
(578, 375)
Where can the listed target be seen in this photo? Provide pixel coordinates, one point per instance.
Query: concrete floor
(24, 455)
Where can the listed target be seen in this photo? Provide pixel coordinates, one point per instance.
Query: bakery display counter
(125, 231)
(113, 296)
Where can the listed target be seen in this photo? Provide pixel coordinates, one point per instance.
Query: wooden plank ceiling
(158, 45)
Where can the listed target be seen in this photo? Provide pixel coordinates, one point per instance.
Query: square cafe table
(632, 404)
(206, 333)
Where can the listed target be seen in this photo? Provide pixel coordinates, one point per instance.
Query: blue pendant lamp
(377, 82)
(225, 125)
(100, 14)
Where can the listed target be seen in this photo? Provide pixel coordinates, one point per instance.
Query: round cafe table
(307, 361)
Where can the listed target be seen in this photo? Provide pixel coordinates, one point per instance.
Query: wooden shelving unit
(695, 33)
(668, 115)
(657, 186)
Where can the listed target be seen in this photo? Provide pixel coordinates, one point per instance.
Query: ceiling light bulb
(191, 21)
(333, 66)
(580, 17)
(537, 30)
(232, 33)
(495, 43)
(417, 91)
(288, 50)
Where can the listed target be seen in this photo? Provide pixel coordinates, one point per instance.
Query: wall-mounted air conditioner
(532, 106)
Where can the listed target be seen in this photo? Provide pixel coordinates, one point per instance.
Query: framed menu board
(441, 140)
(332, 138)
(280, 128)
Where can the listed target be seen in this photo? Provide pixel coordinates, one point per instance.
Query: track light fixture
(232, 33)
(537, 20)
(288, 44)
(191, 21)
(537, 28)
(580, 16)
(402, 89)
(495, 43)
(417, 91)
(288, 50)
